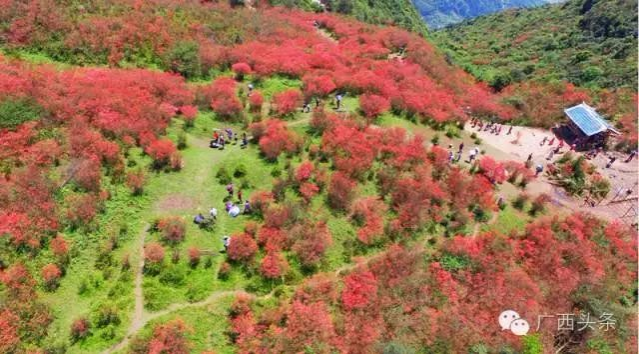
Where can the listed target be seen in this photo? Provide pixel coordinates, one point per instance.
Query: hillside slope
(589, 43)
(440, 13)
(398, 12)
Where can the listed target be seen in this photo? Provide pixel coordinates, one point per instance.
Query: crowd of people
(226, 136)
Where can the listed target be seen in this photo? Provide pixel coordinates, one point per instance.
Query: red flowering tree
(340, 191)
(172, 228)
(170, 337)
(273, 265)
(153, 253)
(310, 242)
(369, 213)
(308, 190)
(309, 327)
(353, 149)
(51, 275)
(271, 238)
(278, 139)
(287, 102)
(241, 70)
(81, 209)
(9, 337)
(317, 86)
(304, 171)
(88, 174)
(417, 201)
(242, 248)
(80, 328)
(493, 170)
(261, 200)
(135, 180)
(194, 256)
(59, 247)
(161, 151)
(256, 101)
(360, 290)
(224, 100)
(373, 105)
(189, 113)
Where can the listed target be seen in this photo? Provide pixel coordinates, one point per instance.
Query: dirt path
(524, 141)
(137, 320)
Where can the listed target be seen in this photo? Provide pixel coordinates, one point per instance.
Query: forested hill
(439, 13)
(591, 43)
(398, 12)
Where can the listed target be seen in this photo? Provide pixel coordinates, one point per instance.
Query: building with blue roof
(588, 127)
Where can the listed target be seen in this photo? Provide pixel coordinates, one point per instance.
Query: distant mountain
(440, 13)
(590, 43)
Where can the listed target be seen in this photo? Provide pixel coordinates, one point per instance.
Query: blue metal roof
(588, 120)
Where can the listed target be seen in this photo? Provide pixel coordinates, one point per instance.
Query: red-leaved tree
(172, 228)
(373, 105)
(287, 102)
(277, 139)
(340, 191)
(273, 265)
(242, 248)
(51, 275)
(170, 337)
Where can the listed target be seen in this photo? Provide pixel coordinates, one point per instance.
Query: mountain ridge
(441, 13)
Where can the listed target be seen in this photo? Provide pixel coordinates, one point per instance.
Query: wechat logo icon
(511, 320)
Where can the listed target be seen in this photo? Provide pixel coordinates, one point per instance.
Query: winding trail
(137, 321)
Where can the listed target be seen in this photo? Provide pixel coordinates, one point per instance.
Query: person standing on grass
(226, 241)
(239, 195)
(213, 213)
(229, 189)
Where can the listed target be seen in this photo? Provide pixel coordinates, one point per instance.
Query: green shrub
(240, 171)
(173, 275)
(223, 176)
(107, 314)
(15, 112)
(181, 141)
(520, 201)
(532, 344)
(184, 58)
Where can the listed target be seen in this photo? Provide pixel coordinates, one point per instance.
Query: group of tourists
(226, 136)
(232, 208)
(456, 156)
(493, 127)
